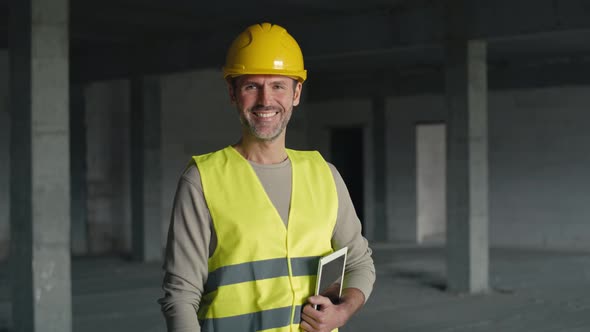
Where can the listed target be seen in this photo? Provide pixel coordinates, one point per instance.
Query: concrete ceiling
(118, 38)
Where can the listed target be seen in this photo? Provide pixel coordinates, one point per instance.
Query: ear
(231, 91)
(297, 93)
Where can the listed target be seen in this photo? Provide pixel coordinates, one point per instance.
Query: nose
(264, 95)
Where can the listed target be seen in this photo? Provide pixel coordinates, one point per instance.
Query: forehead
(263, 79)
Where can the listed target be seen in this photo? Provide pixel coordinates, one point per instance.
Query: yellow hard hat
(265, 49)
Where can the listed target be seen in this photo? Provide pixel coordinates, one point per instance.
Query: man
(250, 221)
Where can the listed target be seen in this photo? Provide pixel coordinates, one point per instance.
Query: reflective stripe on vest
(269, 268)
(261, 272)
(261, 320)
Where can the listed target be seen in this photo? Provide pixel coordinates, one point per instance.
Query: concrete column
(146, 173)
(79, 229)
(467, 156)
(40, 166)
(379, 167)
(4, 156)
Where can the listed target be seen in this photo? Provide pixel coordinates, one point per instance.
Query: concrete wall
(109, 214)
(4, 155)
(539, 164)
(197, 118)
(538, 156)
(539, 168)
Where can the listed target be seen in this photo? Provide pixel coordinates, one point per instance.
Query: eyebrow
(270, 83)
(244, 83)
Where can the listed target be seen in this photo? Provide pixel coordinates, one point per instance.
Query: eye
(278, 87)
(249, 87)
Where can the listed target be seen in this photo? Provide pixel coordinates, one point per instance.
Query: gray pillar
(40, 167)
(79, 229)
(467, 157)
(379, 167)
(146, 174)
(4, 156)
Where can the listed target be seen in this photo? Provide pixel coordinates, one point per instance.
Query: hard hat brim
(299, 75)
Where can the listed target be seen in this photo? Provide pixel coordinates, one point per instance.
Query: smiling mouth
(265, 114)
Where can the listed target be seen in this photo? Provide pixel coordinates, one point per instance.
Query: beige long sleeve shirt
(191, 239)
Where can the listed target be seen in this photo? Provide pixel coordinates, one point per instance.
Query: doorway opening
(348, 156)
(431, 214)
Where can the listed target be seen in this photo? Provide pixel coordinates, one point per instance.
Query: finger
(319, 300)
(305, 326)
(317, 321)
(309, 320)
(311, 311)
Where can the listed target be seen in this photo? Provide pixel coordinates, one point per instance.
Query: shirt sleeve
(360, 270)
(187, 253)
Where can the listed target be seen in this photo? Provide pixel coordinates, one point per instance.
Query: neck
(262, 152)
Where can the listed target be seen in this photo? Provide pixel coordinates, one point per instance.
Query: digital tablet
(330, 275)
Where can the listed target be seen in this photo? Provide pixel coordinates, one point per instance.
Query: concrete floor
(541, 291)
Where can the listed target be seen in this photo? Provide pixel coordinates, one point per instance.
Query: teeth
(265, 115)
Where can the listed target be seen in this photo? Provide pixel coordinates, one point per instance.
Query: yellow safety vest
(262, 272)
